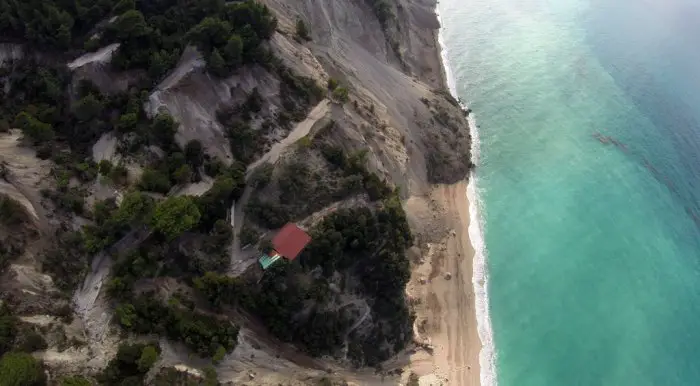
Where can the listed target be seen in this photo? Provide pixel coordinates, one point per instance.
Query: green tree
(158, 64)
(210, 33)
(183, 175)
(154, 180)
(332, 84)
(105, 167)
(19, 369)
(233, 52)
(163, 129)
(135, 208)
(63, 36)
(219, 355)
(175, 215)
(148, 358)
(126, 314)
(302, 31)
(216, 64)
(340, 94)
(127, 122)
(87, 108)
(130, 25)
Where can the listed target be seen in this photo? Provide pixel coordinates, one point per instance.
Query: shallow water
(587, 181)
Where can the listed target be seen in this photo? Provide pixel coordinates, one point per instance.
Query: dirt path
(103, 55)
(242, 259)
(90, 302)
(301, 129)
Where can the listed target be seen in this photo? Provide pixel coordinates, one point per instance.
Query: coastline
(448, 284)
(441, 285)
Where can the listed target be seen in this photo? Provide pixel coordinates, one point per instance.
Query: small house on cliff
(287, 243)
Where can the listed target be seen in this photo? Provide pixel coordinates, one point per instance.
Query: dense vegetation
(185, 238)
(152, 35)
(17, 367)
(204, 334)
(20, 369)
(130, 365)
(368, 244)
(303, 191)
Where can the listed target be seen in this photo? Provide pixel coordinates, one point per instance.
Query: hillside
(151, 150)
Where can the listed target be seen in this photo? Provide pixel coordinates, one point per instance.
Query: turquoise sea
(588, 179)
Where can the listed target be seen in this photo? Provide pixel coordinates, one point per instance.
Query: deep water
(588, 116)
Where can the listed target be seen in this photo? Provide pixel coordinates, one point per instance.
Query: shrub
(33, 128)
(216, 64)
(340, 94)
(12, 213)
(183, 175)
(19, 369)
(74, 381)
(162, 130)
(302, 31)
(153, 180)
(128, 367)
(148, 358)
(199, 332)
(332, 84)
(105, 167)
(87, 108)
(382, 10)
(127, 123)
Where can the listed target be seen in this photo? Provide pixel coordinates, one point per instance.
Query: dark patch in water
(693, 213)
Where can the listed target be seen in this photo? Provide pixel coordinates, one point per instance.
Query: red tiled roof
(290, 241)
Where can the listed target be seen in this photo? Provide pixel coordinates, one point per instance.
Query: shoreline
(452, 316)
(441, 285)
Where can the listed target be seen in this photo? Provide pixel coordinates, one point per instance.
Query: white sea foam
(487, 356)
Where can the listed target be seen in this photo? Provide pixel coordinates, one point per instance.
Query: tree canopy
(20, 369)
(175, 215)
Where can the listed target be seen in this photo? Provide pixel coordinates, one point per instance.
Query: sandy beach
(441, 287)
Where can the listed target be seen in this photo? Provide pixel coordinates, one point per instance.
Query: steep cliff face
(308, 150)
(421, 135)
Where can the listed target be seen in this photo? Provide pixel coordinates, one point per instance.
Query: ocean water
(588, 184)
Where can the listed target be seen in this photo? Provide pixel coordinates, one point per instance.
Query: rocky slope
(397, 113)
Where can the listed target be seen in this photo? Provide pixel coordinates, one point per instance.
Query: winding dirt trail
(302, 129)
(242, 259)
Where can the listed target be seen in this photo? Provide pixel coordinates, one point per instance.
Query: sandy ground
(441, 285)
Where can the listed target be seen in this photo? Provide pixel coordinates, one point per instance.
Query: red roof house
(290, 241)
